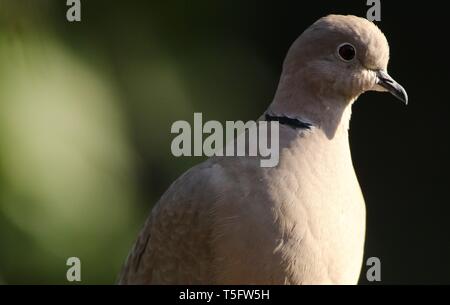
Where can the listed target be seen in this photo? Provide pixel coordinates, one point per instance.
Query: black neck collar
(293, 123)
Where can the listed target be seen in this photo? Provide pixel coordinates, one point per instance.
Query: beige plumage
(229, 221)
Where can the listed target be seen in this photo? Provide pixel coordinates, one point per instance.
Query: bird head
(342, 56)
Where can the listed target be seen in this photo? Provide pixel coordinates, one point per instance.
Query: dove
(229, 221)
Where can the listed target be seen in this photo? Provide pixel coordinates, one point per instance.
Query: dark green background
(86, 110)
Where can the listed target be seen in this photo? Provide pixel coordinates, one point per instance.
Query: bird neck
(294, 123)
(330, 114)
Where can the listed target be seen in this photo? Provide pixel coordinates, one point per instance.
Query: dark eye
(346, 51)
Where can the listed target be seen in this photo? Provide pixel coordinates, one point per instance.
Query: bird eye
(346, 52)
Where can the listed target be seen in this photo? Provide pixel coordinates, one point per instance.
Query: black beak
(388, 83)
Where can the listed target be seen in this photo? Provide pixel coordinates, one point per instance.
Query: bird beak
(387, 82)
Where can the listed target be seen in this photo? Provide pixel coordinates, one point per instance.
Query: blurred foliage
(65, 164)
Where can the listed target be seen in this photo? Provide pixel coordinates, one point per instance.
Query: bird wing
(174, 245)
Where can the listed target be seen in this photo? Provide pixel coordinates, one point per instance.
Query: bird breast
(303, 222)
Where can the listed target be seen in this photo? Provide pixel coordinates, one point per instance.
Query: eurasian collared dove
(230, 221)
